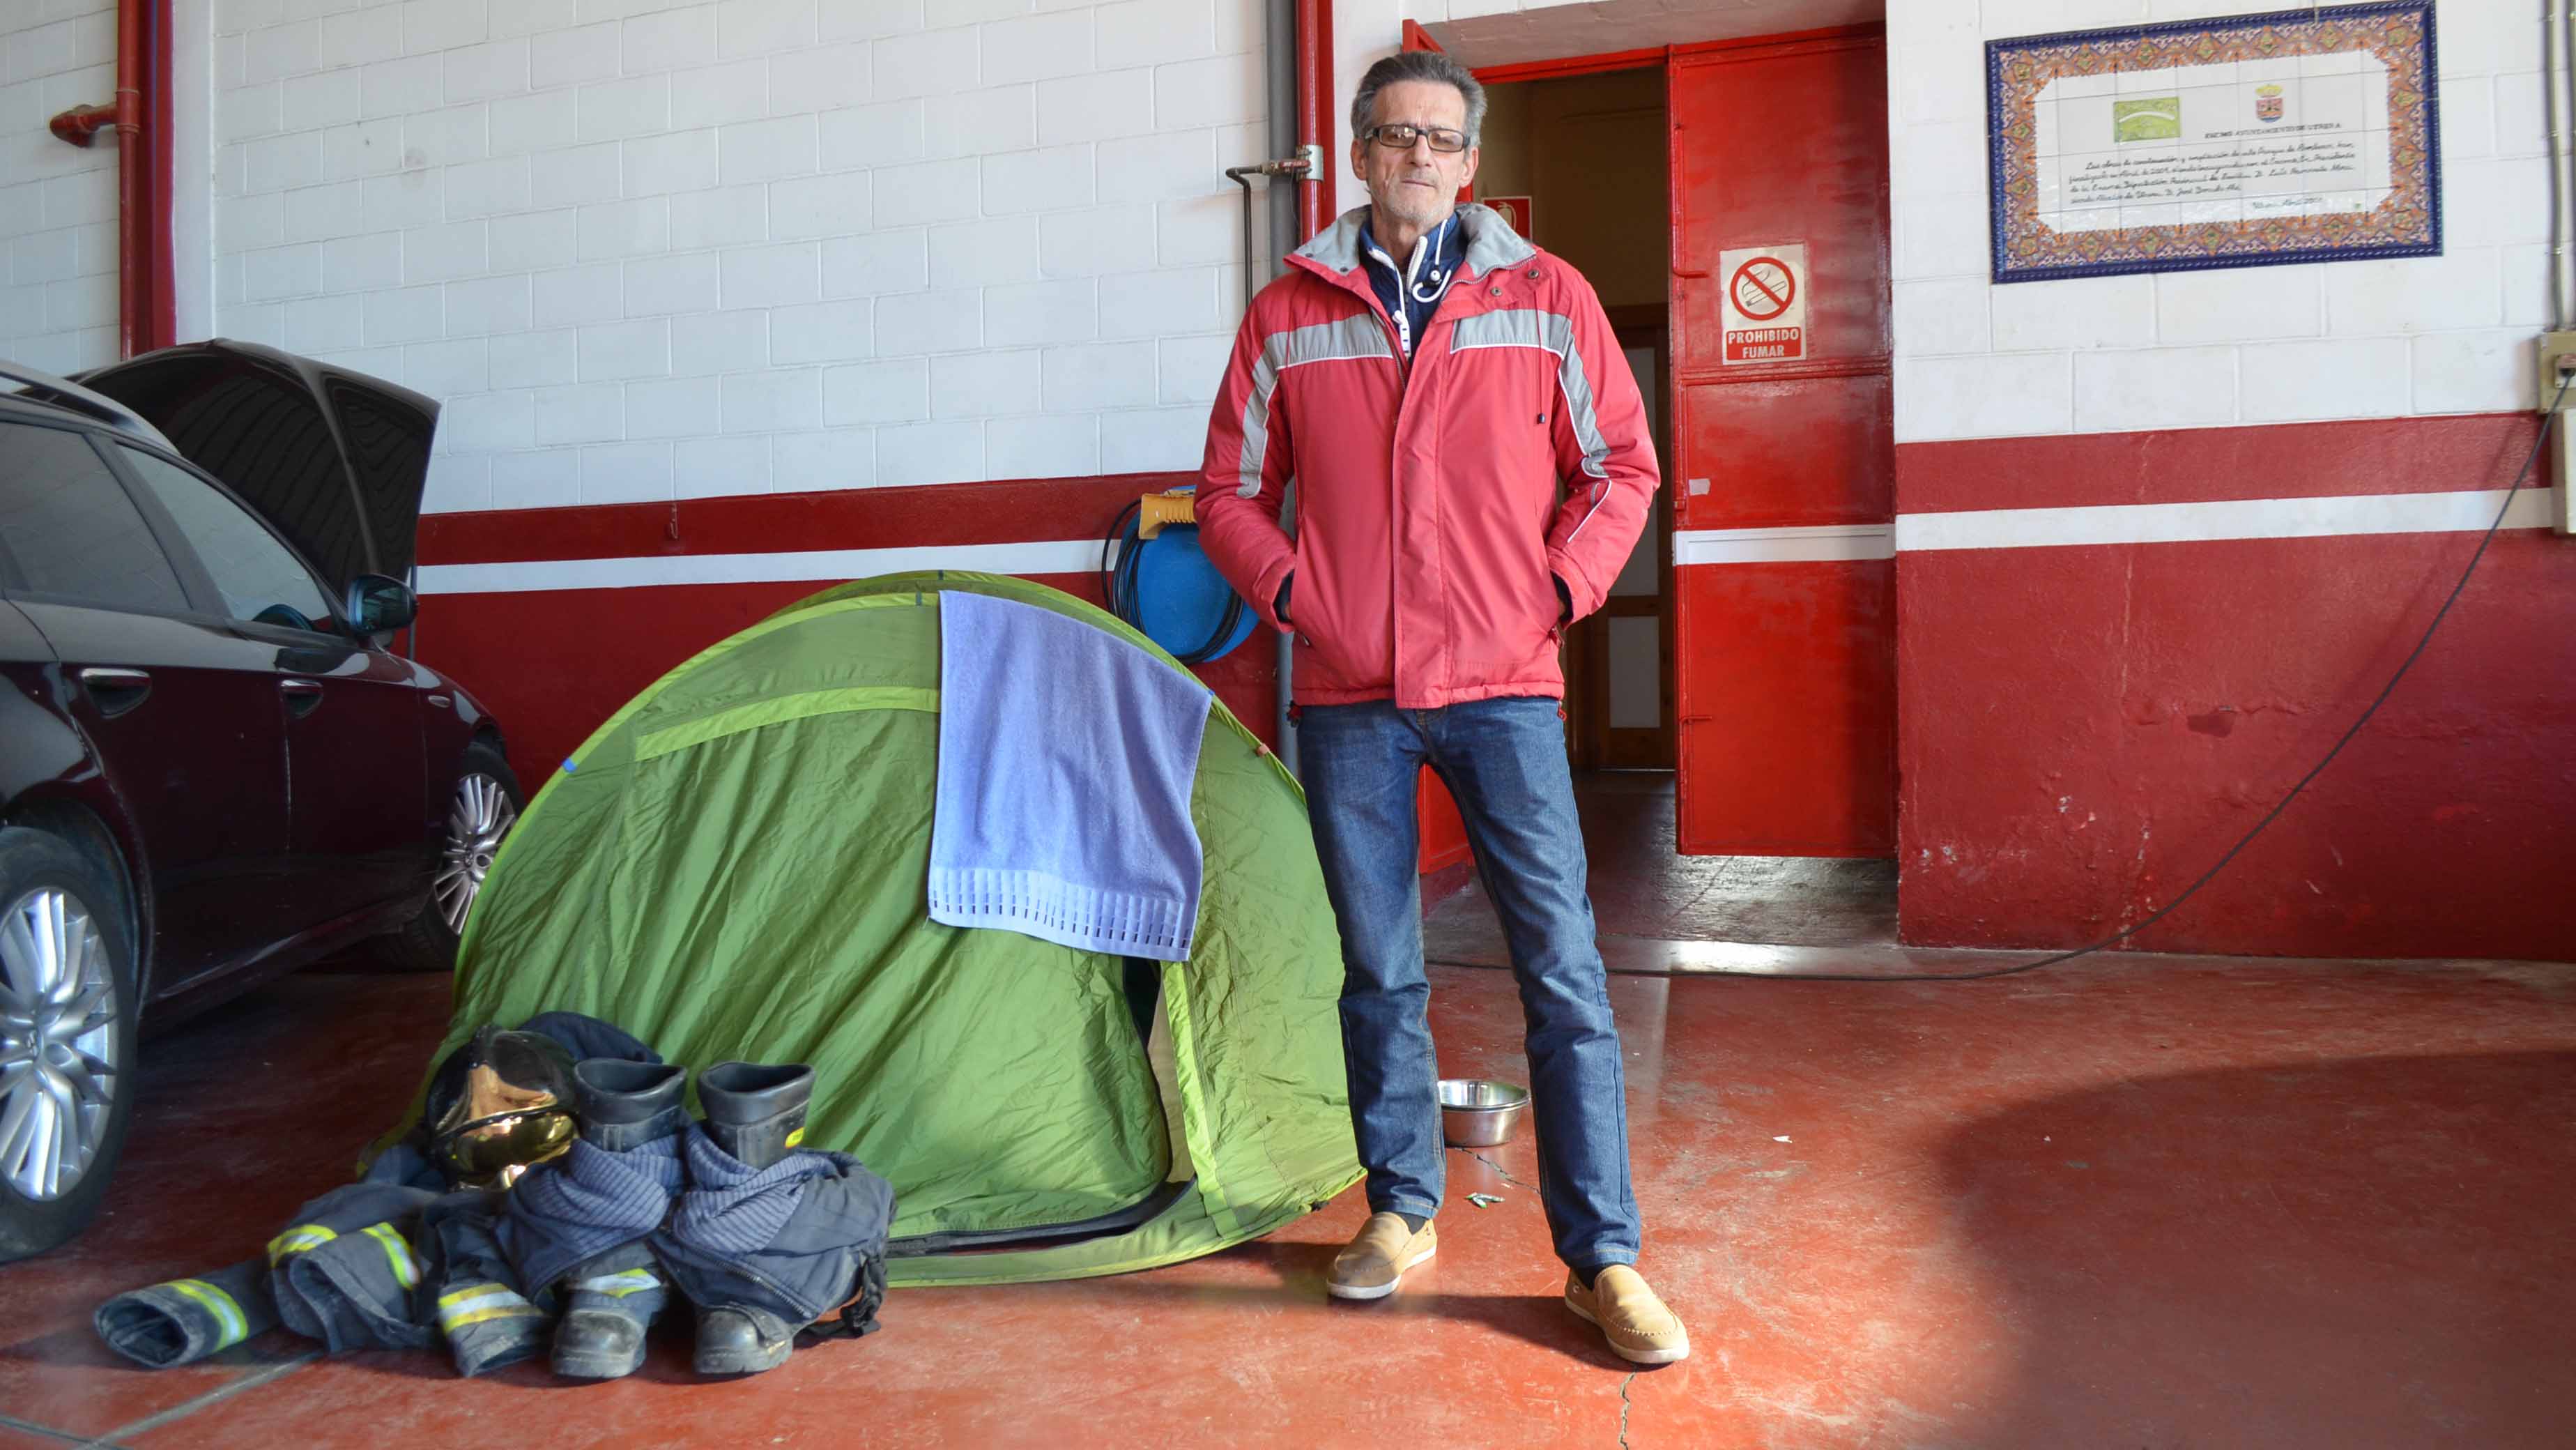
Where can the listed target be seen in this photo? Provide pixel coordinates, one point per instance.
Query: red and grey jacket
(1429, 518)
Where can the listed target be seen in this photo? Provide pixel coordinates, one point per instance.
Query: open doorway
(1579, 163)
(1730, 711)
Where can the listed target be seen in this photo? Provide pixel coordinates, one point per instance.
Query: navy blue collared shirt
(1411, 290)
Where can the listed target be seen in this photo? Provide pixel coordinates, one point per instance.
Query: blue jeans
(1504, 762)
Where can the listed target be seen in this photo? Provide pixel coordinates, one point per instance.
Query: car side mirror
(380, 604)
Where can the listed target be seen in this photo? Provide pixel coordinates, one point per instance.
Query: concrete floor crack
(1498, 1168)
(1623, 1408)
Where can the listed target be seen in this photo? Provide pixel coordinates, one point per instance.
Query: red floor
(2153, 1201)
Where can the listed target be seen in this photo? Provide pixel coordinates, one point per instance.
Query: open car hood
(336, 460)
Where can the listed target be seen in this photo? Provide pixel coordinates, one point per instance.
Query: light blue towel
(1066, 757)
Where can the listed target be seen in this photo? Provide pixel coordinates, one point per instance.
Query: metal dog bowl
(1478, 1113)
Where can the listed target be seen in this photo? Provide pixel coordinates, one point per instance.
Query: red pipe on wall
(1315, 113)
(147, 310)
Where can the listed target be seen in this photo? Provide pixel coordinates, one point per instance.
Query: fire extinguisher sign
(1762, 302)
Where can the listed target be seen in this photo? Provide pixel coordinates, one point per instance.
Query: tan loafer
(1376, 1260)
(1640, 1329)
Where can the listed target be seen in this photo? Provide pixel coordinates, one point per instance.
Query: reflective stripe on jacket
(1428, 518)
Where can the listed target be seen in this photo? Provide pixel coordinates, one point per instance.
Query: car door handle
(115, 690)
(301, 696)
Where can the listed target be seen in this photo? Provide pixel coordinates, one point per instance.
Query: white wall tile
(447, 136)
(929, 191)
(584, 413)
(1065, 446)
(1093, 241)
(1984, 397)
(595, 293)
(446, 369)
(708, 467)
(494, 305)
(488, 188)
(612, 350)
(712, 95)
(1148, 32)
(545, 478)
(2418, 294)
(1099, 375)
(405, 199)
(429, 25)
(819, 78)
(1095, 107)
(926, 322)
(569, 57)
(534, 124)
(1209, 92)
(1160, 167)
(988, 253)
(689, 282)
(637, 106)
(658, 166)
(535, 359)
(671, 40)
(2154, 388)
(719, 342)
(772, 276)
(267, 275)
(765, 150)
(869, 19)
(1944, 316)
(822, 461)
(534, 241)
(897, 391)
(672, 407)
(822, 332)
(317, 324)
(877, 263)
(878, 135)
(444, 252)
(931, 63)
(1188, 369)
(757, 27)
(1036, 47)
(766, 402)
(405, 314)
(2282, 382)
(1152, 440)
(2086, 312)
(920, 453)
(327, 98)
(578, 174)
(981, 384)
(2475, 372)
(358, 38)
(279, 50)
(362, 264)
(480, 72)
(314, 213)
(1040, 312)
(723, 217)
(626, 473)
(819, 206)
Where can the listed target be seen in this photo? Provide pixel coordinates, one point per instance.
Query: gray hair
(1418, 65)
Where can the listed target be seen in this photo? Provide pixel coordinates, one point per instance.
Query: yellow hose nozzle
(1157, 509)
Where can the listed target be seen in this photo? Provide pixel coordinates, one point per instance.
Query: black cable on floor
(2547, 421)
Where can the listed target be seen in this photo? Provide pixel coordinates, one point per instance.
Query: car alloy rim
(477, 819)
(58, 1068)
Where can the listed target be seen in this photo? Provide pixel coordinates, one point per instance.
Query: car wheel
(482, 806)
(67, 1015)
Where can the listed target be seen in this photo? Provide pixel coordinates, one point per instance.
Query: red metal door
(1784, 466)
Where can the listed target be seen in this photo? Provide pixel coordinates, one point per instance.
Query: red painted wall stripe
(2198, 465)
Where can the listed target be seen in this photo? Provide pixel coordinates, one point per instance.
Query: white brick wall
(2447, 334)
(58, 202)
(648, 250)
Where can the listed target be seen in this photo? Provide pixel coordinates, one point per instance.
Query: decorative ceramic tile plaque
(2299, 136)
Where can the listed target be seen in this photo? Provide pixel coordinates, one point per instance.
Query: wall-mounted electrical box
(2557, 361)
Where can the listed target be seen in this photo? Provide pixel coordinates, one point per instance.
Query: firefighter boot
(756, 1113)
(632, 1109)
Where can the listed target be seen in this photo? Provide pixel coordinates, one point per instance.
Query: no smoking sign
(1763, 303)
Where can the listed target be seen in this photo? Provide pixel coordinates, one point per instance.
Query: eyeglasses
(1401, 137)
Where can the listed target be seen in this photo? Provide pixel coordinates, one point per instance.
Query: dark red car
(212, 768)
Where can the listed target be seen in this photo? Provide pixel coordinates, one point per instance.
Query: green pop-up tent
(735, 866)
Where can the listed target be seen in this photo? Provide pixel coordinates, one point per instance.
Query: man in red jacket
(1474, 465)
